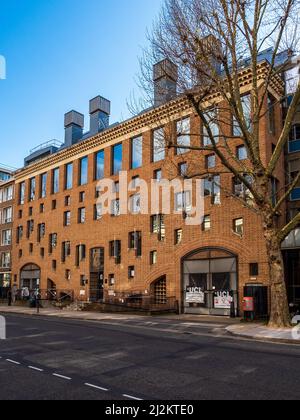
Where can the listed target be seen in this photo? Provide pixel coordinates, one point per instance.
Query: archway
(30, 276)
(210, 283)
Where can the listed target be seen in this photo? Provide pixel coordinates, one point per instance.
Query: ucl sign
(2, 68)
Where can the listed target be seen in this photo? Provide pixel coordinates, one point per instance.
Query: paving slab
(261, 332)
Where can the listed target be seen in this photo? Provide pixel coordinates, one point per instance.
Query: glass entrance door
(210, 283)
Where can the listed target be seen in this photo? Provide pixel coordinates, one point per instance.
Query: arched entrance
(210, 285)
(30, 276)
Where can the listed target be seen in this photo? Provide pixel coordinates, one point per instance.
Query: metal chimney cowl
(74, 123)
(99, 114)
(165, 78)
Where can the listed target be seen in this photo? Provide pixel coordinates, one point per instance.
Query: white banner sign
(223, 300)
(195, 295)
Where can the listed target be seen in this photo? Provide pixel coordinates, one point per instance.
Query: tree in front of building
(211, 42)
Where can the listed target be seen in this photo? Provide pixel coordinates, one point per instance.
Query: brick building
(63, 241)
(291, 246)
(6, 224)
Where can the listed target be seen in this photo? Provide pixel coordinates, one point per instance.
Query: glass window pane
(83, 171)
(137, 152)
(99, 172)
(117, 157)
(159, 145)
(183, 135)
(69, 176)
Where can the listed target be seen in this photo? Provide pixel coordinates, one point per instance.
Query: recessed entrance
(210, 282)
(96, 274)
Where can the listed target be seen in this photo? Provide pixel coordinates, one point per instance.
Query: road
(146, 359)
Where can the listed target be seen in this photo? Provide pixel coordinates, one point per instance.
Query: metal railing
(50, 143)
(143, 303)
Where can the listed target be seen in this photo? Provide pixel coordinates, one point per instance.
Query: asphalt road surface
(146, 359)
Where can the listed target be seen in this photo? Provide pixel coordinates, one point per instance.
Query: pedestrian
(9, 297)
(14, 293)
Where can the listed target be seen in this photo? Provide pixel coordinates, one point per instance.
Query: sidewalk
(260, 332)
(98, 316)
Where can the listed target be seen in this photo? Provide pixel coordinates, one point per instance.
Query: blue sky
(60, 54)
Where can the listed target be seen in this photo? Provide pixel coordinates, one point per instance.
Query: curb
(263, 339)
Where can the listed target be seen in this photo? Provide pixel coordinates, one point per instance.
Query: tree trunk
(280, 317)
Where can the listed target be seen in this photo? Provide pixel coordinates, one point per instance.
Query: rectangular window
(158, 226)
(6, 215)
(83, 171)
(6, 237)
(115, 250)
(135, 242)
(20, 231)
(210, 161)
(136, 152)
(206, 224)
(98, 211)
(22, 193)
(81, 215)
(183, 169)
(65, 250)
(212, 188)
(69, 176)
(246, 105)
(55, 181)
(43, 185)
(158, 175)
(241, 153)
(158, 145)
(131, 272)
(294, 139)
(183, 201)
(115, 210)
(183, 136)
(99, 165)
(117, 159)
(32, 186)
(178, 236)
(81, 196)
(153, 257)
(238, 226)
(80, 254)
(67, 218)
(41, 231)
(52, 242)
(135, 204)
(254, 270)
(212, 121)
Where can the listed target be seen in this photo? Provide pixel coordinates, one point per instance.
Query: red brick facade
(65, 275)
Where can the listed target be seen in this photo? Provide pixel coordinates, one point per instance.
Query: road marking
(61, 377)
(96, 387)
(13, 362)
(35, 368)
(132, 398)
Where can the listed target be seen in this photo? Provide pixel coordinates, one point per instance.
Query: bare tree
(211, 42)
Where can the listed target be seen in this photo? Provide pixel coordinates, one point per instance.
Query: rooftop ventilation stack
(99, 115)
(74, 123)
(165, 77)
